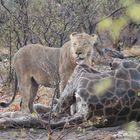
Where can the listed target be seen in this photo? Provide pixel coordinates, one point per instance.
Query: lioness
(36, 65)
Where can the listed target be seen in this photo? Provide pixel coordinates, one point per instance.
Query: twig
(61, 132)
(54, 76)
(117, 10)
(61, 136)
(2, 78)
(2, 3)
(5, 96)
(50, 114)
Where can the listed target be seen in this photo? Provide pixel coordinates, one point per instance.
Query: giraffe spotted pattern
(119, 103)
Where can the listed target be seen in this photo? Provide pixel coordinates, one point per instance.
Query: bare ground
(110, 133)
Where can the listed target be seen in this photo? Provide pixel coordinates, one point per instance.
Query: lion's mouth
(79, 60)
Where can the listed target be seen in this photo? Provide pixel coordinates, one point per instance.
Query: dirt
(74, 133)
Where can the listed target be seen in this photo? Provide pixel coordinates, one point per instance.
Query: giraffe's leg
(77, 118)
(65, 101)
(73, 109)
(71, 121)
(67, 97)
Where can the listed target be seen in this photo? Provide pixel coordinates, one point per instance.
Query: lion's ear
(94, 37)
(73, 34)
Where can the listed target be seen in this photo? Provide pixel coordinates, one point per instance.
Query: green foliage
(132, 126)
(81, 130)
(138, 93)
(131, 129)
(126, 3)
(116, 26)
(133, 12)
(105, 24)
(96, 121)
(102, 86)
(49, 137)
(35, 115)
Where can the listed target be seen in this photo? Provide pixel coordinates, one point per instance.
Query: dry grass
(44, 96)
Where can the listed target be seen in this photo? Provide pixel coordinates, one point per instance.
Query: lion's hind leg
(25, 91)
(33, 92)
(28, 90)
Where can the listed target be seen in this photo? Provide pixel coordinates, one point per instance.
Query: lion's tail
(4, 104)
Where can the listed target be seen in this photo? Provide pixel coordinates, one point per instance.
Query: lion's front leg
(64, 77)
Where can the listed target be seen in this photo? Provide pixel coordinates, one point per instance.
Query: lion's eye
(95, 44)
(74, 44)
(78, 53)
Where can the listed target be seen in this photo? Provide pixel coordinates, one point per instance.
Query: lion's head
(82, 46)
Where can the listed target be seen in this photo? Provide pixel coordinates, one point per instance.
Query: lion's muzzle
(79, 58)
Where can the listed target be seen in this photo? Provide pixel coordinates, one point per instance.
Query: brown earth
(74, 133)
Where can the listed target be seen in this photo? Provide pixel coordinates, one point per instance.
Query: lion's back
(34, 57)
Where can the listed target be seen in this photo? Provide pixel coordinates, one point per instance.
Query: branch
(32, 122)
(119, 9)
(2, 3)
